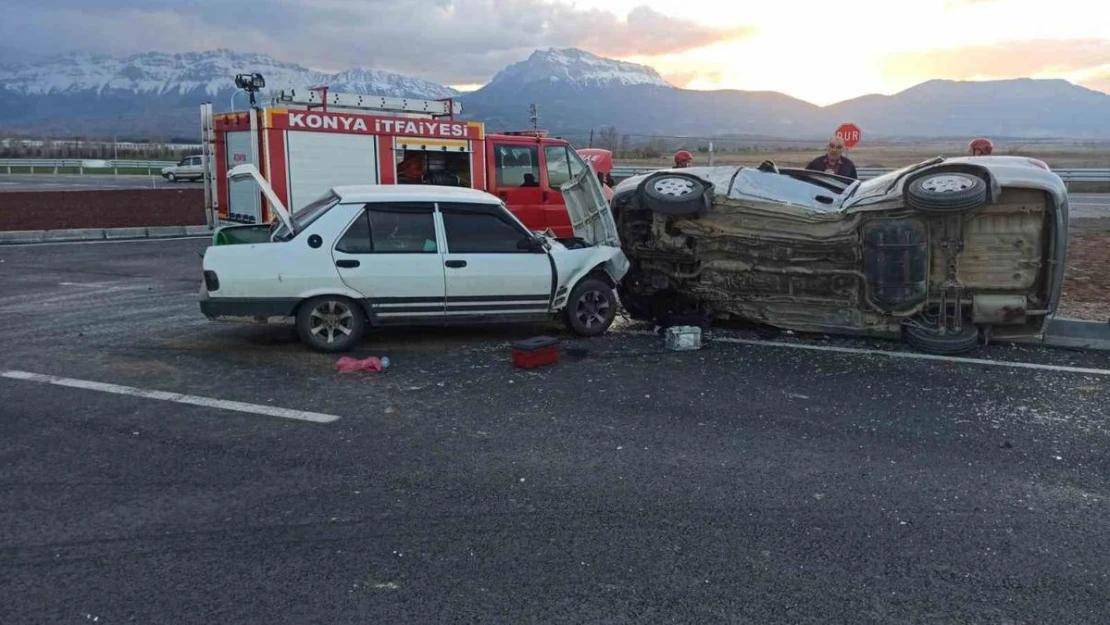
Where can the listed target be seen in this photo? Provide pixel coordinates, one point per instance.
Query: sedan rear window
(306, 215)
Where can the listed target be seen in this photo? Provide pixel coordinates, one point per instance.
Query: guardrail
(54, 165)
(1067, 175)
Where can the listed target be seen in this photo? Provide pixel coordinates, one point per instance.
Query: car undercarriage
(942, 276)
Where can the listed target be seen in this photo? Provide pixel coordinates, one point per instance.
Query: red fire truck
(307, 142)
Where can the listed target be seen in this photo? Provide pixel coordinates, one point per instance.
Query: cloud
(956, 4)
(1002, 60)
(449, 41)
(685, 79)
(1099, 81)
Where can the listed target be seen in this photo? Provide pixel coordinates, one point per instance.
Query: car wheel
(591, 308)
(946, 191)
(674, 194)
(331, 323)
(936, 341)
(171, 177)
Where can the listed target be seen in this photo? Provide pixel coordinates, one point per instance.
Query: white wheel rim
(331, 321)
(674, 186)
(946, 184)
(592, 309)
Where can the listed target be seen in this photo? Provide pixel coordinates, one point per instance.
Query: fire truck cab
(304, 143)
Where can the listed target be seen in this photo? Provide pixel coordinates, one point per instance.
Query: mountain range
(156, 95)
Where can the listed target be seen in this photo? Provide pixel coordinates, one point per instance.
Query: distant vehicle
(308, 142)
(377, 255)
(189, 168)
(944, 253)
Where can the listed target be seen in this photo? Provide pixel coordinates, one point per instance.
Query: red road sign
(850, 134)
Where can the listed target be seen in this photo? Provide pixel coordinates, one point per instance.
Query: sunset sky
(825, 51)
(816, 50)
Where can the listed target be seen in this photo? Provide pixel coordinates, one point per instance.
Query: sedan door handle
(346, 263)
(455, 264)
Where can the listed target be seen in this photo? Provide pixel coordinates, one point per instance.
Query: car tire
(591, 307)
(949, 344)
(675, 194)
(331, 323)
(171, 177)
(946, 191)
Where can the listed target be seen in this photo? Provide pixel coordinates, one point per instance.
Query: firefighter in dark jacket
(834, 161)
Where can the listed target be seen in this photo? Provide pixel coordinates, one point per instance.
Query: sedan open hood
(590, 214)
(239, 172)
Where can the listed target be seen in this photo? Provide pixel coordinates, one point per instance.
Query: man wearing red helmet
(682, 158)
(980, 147)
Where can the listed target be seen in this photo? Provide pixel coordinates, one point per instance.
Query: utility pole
(534, 115)
(591, 137)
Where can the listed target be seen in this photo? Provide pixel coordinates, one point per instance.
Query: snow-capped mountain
(578, 68)
(210, 73)
(156, 95)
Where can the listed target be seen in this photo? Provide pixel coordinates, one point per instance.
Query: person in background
(980, 147)
(834, 161)
(682, 159)
(411, 168)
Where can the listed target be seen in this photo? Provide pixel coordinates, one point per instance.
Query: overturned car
(945, 253)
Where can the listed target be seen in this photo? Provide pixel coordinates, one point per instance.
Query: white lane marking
(915, 355)
(194, 400)
(910, 355)
(90, 285)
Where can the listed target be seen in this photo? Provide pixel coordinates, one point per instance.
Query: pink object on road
(346, 364)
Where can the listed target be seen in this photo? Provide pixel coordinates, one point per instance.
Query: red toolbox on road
(535, 352)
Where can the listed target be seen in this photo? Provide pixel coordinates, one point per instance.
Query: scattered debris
(535, 352)
(683, 338)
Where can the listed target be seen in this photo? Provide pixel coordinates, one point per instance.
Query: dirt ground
(1087, 282)
(54, 210)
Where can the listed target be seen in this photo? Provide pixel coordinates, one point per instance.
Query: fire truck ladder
(320, 97)
(208, 164)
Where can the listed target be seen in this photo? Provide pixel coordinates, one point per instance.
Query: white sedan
(378, 255)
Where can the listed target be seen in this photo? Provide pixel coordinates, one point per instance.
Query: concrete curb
(14, 237)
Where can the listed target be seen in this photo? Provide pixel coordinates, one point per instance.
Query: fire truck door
(244, 201)
(515, 178)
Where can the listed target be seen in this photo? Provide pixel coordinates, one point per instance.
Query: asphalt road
(75, 182)
(738, 484)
